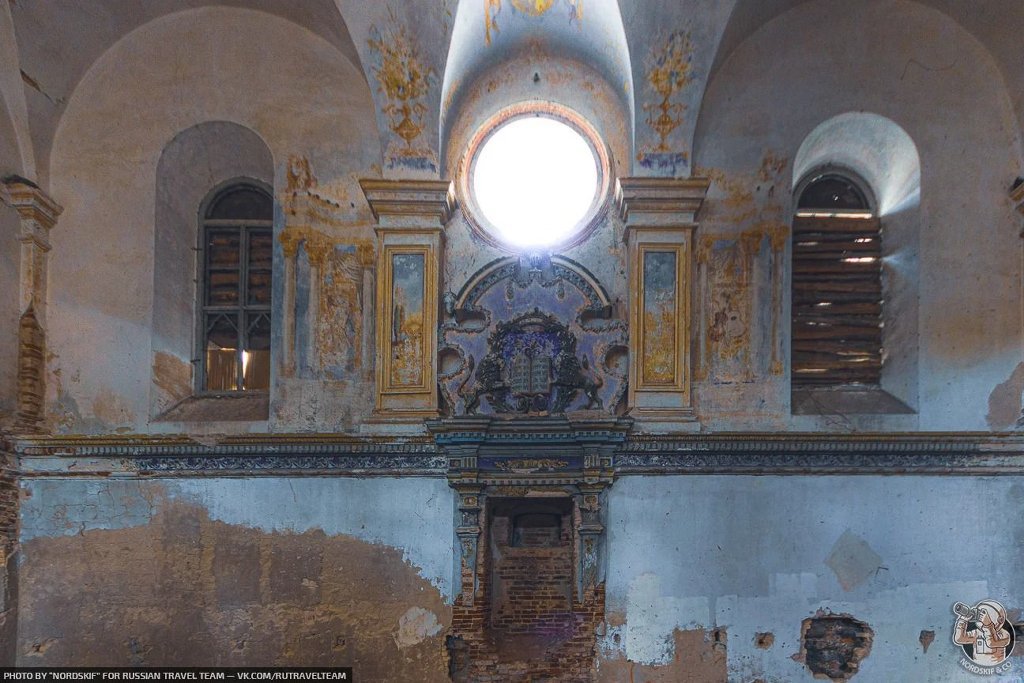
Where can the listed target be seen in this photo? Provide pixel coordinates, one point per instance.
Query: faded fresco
(740, 289)
(668, 72)
(408, 276)
(660, 305)
(532, 336)
(339, 333)
(404, 79)
(327, 319)
(529, 8)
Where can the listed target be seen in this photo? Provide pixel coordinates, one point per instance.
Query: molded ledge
(847, 401)
(241, 408)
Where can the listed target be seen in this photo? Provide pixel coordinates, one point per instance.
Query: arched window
(236, 246)
(837, 284)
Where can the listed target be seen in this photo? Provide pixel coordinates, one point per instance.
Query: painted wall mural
(407, 305)
(668, 71)
(660, 320)
(529, 8)
(740, 280)
(535, 335)
(328, 291)
(404, 79)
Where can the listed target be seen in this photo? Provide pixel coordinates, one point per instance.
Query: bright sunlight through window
(535, 180)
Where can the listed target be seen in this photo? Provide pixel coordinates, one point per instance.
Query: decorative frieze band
(489, 457)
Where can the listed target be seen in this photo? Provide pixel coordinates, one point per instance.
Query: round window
(536, 178)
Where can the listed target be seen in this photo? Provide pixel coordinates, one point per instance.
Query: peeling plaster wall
(10, 229)
(239, 571)
(947, 93)
(750, 555)
(297, 92)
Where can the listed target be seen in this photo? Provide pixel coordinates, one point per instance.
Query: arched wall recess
(875, 148)
(502, 52)
(193, 163)
(852, 351)
(297, 108)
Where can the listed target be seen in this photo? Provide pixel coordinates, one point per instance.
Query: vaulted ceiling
(421, 58)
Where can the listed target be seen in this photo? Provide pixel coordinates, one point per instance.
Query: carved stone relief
(537, 336)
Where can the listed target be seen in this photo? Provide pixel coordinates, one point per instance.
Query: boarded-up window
(837, 286)
(235, 301)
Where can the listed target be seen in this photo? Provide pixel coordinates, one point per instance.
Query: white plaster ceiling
(996, 24)
(58, 40)
(455, 41)
(490, 32)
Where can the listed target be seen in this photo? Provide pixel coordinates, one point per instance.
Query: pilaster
(411, 215)
(38, 213)
(660, 217)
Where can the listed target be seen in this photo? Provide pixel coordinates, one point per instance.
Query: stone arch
(289, 87)
(874, 147)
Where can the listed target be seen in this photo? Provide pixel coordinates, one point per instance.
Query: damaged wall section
(238, 572)
(692, 555)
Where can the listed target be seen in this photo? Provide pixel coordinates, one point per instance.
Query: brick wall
(525, 623)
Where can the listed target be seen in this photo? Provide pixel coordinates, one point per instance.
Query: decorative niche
(532, 336)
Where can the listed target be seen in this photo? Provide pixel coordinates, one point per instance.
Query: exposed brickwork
(31, 370)
(835, 644)
(525, 623)
(187, 590)
(8, 554)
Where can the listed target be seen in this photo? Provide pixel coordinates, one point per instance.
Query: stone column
(659, 214)
(411, 215)
(38, 214)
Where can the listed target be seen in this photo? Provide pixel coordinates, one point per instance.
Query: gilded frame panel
(406, 320)
(660, 317)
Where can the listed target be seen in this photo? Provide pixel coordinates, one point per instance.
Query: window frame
(482, 227)
(242, 308)
(798, 384)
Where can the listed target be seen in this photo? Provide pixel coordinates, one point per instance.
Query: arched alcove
(861, 321)
(501, 54)
(193, 163)
(301, 96)
(875, 148)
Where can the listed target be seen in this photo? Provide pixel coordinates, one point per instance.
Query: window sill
(254, 407)
(847, 400)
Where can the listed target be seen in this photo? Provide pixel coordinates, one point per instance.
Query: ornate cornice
(261, 455)
(483, 444)
(932, 453)
(656, 199)
(430, 199)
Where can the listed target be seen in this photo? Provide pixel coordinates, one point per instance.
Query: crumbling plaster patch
(746, 554)
(183, 589)
(408, 514)
(1004, 403)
